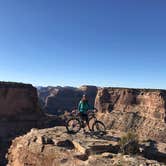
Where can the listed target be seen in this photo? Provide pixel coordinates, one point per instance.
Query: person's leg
(87, 122)
(82, 117)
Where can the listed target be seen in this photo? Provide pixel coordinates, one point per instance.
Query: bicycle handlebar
(76, 112)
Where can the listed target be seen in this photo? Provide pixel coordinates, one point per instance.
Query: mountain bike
(75, 123)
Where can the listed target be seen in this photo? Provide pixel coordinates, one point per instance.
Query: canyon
(56, 100)
(140, 110)
(25, 110)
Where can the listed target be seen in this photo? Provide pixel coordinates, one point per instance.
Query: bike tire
(99, 130)
(71, 130)
(91, 122)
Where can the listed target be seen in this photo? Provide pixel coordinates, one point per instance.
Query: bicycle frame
(91, 115)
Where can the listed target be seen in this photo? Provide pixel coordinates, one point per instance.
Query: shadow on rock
(150, 151)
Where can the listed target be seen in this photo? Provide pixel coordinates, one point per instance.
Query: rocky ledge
(19, 113)
(54, 147)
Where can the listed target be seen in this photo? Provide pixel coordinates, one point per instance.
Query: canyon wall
(19, 113)
(17, 99)
(149, 103)
(56, 100)
(139, 110)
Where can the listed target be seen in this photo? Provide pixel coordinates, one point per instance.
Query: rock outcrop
(56, 100)
(139, 110)
(19, 113)
(17, 98)
(149, 103)
(54, 147)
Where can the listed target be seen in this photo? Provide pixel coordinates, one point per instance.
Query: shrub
(129, 143)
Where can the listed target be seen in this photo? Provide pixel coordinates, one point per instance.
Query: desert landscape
(33, 126)
(82, 83)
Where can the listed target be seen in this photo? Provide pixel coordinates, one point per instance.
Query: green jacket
(83, 107)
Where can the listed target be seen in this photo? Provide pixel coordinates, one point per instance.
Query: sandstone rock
(138, 110)
(17, 98)
(66, 147)
(149, 103)
(85, 151)
(107, 155)
(19, 113)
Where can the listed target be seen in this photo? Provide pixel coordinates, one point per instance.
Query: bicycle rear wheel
(73, 125)
(99, 128)
(91, 122)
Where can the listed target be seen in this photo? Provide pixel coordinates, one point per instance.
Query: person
(83, 108)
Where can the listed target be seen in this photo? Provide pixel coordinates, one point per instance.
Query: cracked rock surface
(54, 147)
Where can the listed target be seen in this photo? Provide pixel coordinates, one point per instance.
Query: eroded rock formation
(54, 147)
(17, 99)
(149, 103)
(139, 110)
(19, 112)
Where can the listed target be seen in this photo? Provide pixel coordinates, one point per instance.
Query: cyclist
(83, 108)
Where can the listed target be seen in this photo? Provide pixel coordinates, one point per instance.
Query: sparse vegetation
(129, 143)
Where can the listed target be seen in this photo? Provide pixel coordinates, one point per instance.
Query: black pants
(84, 117)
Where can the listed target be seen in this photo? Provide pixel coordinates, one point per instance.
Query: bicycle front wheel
(73, 126)
(99, 128)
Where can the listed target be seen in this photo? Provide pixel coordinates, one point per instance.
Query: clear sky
(75, 42)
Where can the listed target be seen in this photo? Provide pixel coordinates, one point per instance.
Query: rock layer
(149, 103)
(17, 98)
(139, 110)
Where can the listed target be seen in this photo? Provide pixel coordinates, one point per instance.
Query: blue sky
(76, 42)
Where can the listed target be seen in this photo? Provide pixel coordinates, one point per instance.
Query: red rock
(140, 110)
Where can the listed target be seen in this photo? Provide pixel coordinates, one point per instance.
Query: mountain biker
(83, 108)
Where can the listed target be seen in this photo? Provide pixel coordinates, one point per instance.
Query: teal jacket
(84, 107)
